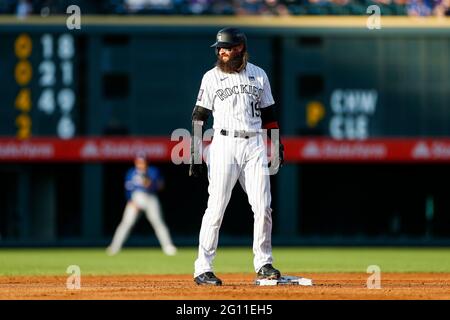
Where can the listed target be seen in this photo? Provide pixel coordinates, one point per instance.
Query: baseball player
(238, 95)
(141, 184)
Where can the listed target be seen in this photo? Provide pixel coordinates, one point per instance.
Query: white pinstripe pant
(231, 159)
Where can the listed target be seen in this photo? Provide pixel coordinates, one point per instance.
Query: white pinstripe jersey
(235, 98)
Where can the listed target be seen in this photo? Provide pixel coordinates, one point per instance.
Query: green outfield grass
(153, 261)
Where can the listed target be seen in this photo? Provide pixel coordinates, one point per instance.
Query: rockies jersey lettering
(245, 88)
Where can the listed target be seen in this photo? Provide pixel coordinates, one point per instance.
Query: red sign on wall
(162, 149)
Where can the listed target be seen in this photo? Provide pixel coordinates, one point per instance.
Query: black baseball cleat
(268, 272)
(208, 278)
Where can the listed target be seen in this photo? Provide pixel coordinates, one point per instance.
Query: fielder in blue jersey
(141, 186)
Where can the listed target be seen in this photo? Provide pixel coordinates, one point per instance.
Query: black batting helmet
(230, 37)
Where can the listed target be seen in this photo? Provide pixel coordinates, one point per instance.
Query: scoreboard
(139, 76)
(39, 81)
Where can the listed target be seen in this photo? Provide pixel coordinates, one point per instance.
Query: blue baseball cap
(141, 155)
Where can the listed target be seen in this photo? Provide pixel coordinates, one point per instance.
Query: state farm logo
(432, 150)
(124, 150)
(311, 150)
(344, 150)
(89, 150)
(421, 150)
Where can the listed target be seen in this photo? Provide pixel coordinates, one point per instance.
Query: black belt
(238, 134)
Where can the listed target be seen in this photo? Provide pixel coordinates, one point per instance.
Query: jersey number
(255, 109)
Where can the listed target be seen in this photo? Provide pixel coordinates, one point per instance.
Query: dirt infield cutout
(334, 286)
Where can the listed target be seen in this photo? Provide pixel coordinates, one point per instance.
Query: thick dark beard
(232, 65)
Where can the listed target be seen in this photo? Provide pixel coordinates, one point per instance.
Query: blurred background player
(141, 185)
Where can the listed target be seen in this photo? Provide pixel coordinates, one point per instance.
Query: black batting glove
(195, 170)
(196, 165)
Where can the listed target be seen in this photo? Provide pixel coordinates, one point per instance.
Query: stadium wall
(364, 114)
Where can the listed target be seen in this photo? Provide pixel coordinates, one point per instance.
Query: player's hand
(277, 158)
(147, 182)
(195, 170)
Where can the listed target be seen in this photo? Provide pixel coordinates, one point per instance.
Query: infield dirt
(334, 286)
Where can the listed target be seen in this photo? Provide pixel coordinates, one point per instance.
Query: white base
(285, 280)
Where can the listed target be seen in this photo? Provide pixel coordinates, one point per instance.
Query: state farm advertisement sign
(163, 149)
(84, 150)
(123, 149)
(26, 150)
(343, 150)
(434, 150)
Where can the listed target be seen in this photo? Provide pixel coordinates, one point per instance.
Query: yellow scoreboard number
(23, 74)
(44, 73)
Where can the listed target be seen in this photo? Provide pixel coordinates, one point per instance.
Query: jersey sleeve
(266, 98)
(156, 178)
(154, 174)
(129, 186)
(159, 176)
(205, 95)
